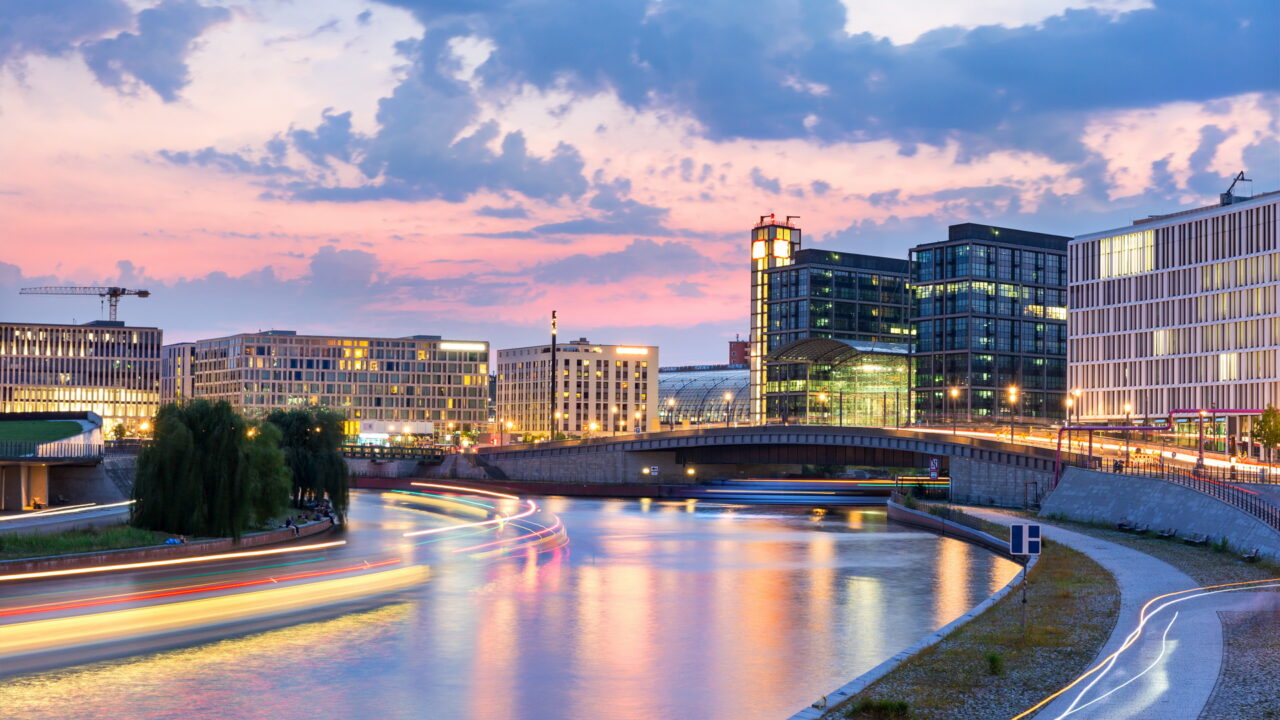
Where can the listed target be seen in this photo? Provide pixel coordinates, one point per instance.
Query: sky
(463, 167)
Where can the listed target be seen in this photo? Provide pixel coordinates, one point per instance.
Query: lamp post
(593, 427)
(555, 417)
(671, 413)
(1200, 459)
(1013, 398)
(822, 398)
(454, 442)
(1128, 410)
(728, 400)
(637, 423)
(955, 395)
(508, 427)
(613, 419)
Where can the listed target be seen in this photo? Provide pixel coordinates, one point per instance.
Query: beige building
(1178, 313)
(104, 367)
(600, 389)
(385, 386)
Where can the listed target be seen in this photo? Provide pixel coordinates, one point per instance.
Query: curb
(860, 683)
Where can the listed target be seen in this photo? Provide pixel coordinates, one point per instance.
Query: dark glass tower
(990, 314)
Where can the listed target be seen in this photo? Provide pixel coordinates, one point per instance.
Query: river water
(652, 610)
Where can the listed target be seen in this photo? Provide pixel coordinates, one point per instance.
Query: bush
(909, 502)
(995, 663)
(870, 709)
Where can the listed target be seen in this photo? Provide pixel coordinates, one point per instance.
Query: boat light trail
(470, 491)
(544, 531)
(133, 597)
(175, 561)
(39, 635)
(533, 507)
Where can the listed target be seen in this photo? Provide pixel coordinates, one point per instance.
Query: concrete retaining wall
(976, 482)
(922, 519)
(596, 468)
(1092, 496)
(162, 552)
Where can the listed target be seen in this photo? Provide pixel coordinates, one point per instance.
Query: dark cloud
(618, 215)
(989, 87)
(640, 258)
(227, 162)
(156, 54)
(768, 184)
(820, 187)
(363, 18)
(332, 138)
(56, 27)
(506, 213)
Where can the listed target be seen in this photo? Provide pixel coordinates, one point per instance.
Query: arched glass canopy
(707, 395)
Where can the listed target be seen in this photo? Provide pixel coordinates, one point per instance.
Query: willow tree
(311, 439)
(208, 472)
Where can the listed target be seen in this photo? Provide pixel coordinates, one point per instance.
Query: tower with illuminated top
(773, 244)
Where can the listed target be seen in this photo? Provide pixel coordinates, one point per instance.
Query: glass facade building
(819, 381)
(104, 367)
(1178, 314)
(704, 395)
(385, 386)
(990, 312)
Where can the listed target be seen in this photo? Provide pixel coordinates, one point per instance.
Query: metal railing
(392, 452)
(1219, 483)
(55, 450)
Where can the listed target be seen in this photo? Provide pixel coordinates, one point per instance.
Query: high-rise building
(989, 314)
(599, 389)
(801, 294)
(104, 367)
(385, 386)
(1179, 314)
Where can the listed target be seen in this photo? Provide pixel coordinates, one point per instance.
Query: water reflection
(656, 609)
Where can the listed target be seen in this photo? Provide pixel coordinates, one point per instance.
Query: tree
(208, 472)
(1267, 429)
(311, 439)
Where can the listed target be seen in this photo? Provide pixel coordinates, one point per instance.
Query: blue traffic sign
(1024, 539)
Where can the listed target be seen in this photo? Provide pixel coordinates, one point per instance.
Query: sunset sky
(463, 167)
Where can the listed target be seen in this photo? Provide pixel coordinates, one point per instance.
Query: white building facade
(1178, 314)
(599, 389)
(385, 386)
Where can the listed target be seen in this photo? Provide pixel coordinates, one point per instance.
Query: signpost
(933, 468)
(1024, 539)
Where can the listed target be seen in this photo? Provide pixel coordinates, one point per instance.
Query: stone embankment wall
(1092, 496)
(976, 482)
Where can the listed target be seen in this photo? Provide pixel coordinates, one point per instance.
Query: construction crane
(112, 294)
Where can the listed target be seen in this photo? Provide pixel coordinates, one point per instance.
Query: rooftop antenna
(762, 218)
(792, 217)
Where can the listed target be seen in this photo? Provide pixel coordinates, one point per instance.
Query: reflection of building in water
(832, 382)
(704, 395)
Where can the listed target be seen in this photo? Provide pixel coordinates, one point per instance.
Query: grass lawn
(37, 430)
(14, 546)
(992, 668)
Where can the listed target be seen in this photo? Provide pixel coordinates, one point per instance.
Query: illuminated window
(782, 248)
(759, 250)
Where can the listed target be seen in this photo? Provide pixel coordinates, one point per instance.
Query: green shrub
(995, 663)
(870, 709)
(909, 502)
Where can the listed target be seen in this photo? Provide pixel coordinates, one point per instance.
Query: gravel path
(1247, 687)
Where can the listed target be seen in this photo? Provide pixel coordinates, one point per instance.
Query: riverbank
(992, 667)
(86, 540)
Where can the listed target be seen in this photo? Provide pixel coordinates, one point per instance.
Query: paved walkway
(89, 517)
(1170, 671)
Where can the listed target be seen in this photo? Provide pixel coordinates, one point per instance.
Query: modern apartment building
(104, 367)
(177, 372)
(385, 386)
(599, 389)
(1179, 314)
(990, 314)
(801, 294)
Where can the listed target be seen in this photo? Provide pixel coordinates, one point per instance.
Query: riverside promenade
(1172, 665)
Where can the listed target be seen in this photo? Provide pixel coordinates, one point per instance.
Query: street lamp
(728, 399)
(822, 398)
(955, 395)
(1200, 460)
(671, 412)
(1013, 399)
(508, 426)
(613, 419)
(594, 426)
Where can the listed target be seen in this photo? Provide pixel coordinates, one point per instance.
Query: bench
(1142, 530)
(1200, 539)
(1166, 534)
(1124, 525)
(1251, 556)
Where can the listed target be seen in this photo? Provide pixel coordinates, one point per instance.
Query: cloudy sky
(462, 167)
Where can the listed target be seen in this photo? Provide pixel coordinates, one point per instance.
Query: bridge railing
(392, 452)
(48, 451)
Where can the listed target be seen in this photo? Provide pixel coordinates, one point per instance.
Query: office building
(415, 385)
(103, 367)
(1179, 314)
(177, 372)
(738, 352)
(989, 314)
(797, 294)
(599, 389)
(704, 395)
